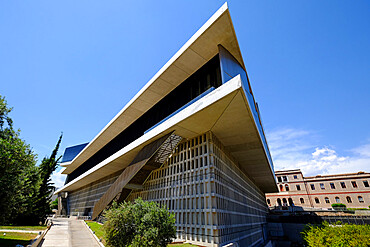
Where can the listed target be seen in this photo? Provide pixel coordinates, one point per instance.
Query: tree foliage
(141, 223)
(54, 204)
(43, 197)
(25, 188)
(18, 173)
(337, 235)
(339, 206)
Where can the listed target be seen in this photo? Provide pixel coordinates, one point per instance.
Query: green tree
(18, 171)
(43, 197)
(54, 204)
(337, 235)
(141, 223)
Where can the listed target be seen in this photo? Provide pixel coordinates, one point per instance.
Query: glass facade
(71, 152)
(206, 77)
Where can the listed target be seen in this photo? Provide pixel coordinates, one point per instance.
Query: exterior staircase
(149, 158)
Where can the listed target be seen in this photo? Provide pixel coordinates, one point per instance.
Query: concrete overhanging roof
(224, 111)
(198, 50)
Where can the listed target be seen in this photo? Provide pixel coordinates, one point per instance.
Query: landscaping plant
(139, 223)
(337, 235)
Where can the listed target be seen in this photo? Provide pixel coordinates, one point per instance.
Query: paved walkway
(69, 233)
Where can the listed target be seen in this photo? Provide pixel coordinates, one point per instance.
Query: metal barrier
(316, 219)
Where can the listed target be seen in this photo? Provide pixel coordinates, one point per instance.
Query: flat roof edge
(194, 37)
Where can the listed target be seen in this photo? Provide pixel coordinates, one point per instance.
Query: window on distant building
(281, 187)
(332, 185)
(268, 201)
(298, 187)
(366, 183)
(343, 184)
(302, 200)
(279, 179)
(285, 179)
(317, 200)
(360, 199)
(337, 200)
(327, 200)
(286, 187)
(295, 176)
(322, 186)
(354, 184)
(349, 200)
(312, 186)
(291, 203)
(285, 202)
(279, 201)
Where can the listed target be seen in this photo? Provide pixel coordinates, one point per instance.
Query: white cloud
(58, 178)
(293, 148)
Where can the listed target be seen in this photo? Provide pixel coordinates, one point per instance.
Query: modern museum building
(191, 139)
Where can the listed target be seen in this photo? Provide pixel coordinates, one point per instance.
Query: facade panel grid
(213, 201)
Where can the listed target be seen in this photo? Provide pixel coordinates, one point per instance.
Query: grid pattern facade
(213, 201)
(81, 202)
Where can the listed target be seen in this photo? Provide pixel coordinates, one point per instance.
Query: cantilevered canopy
(199, 49)
(224, 111)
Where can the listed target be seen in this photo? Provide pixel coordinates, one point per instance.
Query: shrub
(338, 206)
(337, 235)
(141, 223)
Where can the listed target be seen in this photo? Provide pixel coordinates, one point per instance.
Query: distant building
(191, 140)
(351, 189)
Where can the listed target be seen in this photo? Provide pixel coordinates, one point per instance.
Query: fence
(316, 219)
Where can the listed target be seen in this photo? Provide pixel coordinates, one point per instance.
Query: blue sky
(72, 65)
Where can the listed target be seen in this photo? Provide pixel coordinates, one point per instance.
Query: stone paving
(69, 233)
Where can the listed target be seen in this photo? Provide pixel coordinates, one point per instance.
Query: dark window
(285, 202)
(327, 200)
(354, 184)
(291, 203)
(286, 187)
(298, 187)
(332, 185)
(302, 200)
(312, 186)
(337, 200)
(349, 200)
(343, 184)
(279, 179)
(366, 183)
(322, 186)
(360, 199)
(279, 202)
(317, 200)
(281, 187)
(203, 79)
(268, 201)
(285, 179)
(295, 177)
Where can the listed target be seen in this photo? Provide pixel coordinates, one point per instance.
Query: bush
(338, 206)
(141, 223)
(337, 235)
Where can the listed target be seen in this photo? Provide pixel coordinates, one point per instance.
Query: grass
(97, 228)
(14, 238)
(26, 228)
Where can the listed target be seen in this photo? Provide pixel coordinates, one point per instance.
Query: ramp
(150, 158)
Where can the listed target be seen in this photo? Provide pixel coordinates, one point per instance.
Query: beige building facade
(191, 140)
(321, 191)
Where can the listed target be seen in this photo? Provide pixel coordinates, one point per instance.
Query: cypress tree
(42, 206)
